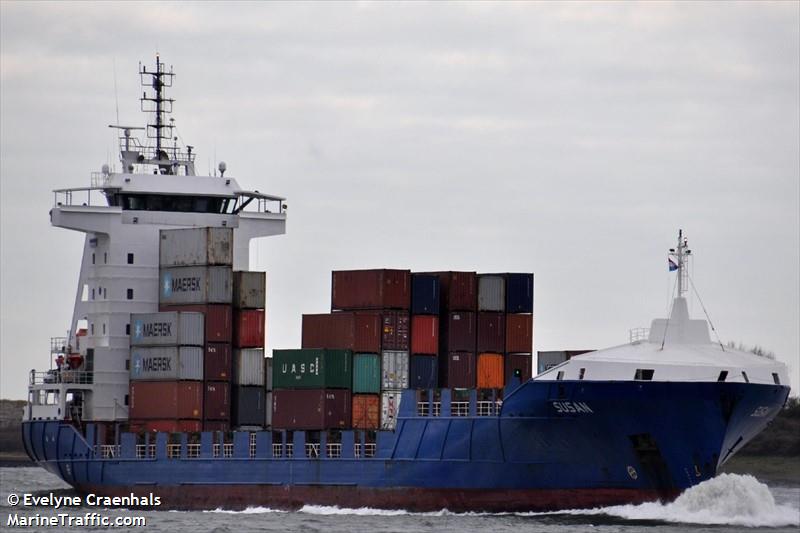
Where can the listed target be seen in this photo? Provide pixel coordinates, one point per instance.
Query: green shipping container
(367, 373)
(312, 369)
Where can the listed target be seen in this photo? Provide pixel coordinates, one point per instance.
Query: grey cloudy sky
(568, 139)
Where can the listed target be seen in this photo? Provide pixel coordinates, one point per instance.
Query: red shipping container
(395, 331)
(491, 371)
(216, 425)
(217, 400)
(311, 409)
(370, 289)
(165, 426)
(217, 362)
(519, 333)
(491, 332)
(218, 319)
(458, 290)
(425, 335)
(521, 363)
(360, 332)
(461, 332)
(366, 411)
(248, 328)
(457, 370)
(152, 400)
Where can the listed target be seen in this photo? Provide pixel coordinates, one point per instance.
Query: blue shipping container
(423, 372)
(424, 294)
(519, 293)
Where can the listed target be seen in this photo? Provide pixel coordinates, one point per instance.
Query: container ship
(415, 391)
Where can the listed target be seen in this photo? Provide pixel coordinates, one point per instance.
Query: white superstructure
(157, 189)
(677, 348)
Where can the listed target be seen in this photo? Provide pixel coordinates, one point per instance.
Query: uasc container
(423, 372)
(519, 333)
(152, 400)
(395, 330)
(249, 406)
(167, 329)
(425, 334)
(491, 332)
(394, 369)
(166, 363)
(390, 408)
(360, 332)
(491, 292)
(218, 319)
(366, 373)
(249, 290)
(424, 294)
(457, 370)
(217, 400)
(196, 246)
(366, 411)
(519, 293)
(371, 289)
(248, 366)
(195, 285)
(311, 409)
(249, 327)
(491, 371)
(218, 362)
(311, 369)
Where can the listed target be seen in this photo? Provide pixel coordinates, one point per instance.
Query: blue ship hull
(553, 445)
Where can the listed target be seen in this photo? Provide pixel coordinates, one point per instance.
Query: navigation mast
(679, 260)
(158, 104)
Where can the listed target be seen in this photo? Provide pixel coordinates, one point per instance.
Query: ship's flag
(673, 266)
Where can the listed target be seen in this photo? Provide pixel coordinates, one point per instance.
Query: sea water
(728, 502)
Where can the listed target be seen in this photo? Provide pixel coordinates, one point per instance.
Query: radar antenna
(159, 105)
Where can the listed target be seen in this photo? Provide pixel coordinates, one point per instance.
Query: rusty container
(249, 328)
(217, 400)
(218, 363)
(370, 289)
(425, 334)
(218, 319)
(249, 290)
(366, 411)
(311, 409)
(359, 332)
(153, 400)
(491, 371)
(519, 333)
(196, 246)
(491, 332)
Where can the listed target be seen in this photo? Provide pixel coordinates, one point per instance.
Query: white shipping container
(167, 329)
(394, 370)
(195, 285)
(390, 407)
(248, 366)
(166, 363)
(491, 292)
(196, 247)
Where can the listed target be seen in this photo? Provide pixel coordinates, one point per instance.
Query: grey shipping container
(167, 329)
(195, 247)
(249, 290)
(248, 366)
(390, 407)
(547, 360)
(394, 370)
(166, 363)
(491, 292)
(195, 285)
(268, 371)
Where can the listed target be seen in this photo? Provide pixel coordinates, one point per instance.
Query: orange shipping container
(425, 335)
(491, 371)
(366, 411)
(519, 333)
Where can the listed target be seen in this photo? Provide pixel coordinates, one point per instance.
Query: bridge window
(776, 378)
(722, 376)
(644, 374)
(744, 375)
(176, 203)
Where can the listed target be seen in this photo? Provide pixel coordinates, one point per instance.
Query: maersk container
(390, 408)
(370, 289)
(311, 409)
(366, 373)
(519, 333)
(248, 367)
(216, 400)
(394, 370)
(518, 365)
(218, 363)
(457, 370)
(425, 334)
(491, 332)
(395, 330)
(359, 332)
(153, 400)
(461, 332)
(311, 369)
(196, 247)
(249, 406)
(218, 319)
(167, 329)
(519, 293)
(424, 294)
(268, 373)
(491, 371)
(249, 290)
(458, 290)
(166, 363)
(249, 327)
(366, 411)
(491, 292)
(195, 285)
(423, 372)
